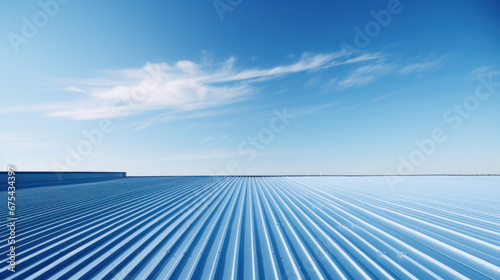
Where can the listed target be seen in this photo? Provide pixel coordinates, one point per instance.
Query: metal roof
(258, 228)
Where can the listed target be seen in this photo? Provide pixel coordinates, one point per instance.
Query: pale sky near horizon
(251, 87)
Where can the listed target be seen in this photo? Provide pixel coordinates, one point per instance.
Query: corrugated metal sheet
(259, 228)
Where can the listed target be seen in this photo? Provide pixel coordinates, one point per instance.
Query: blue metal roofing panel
(259, 228)
(28, 179)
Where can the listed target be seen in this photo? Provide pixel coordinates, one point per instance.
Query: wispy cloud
(366, 74)
(188, 90)
(423, 66)
(485, 71)
(182, 87)
(378, 66)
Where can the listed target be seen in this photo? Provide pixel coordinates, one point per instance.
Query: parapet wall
(34, 178)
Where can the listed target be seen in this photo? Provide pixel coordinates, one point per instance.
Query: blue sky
(251, 87)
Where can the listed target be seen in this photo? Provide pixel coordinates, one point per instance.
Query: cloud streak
(422, 66)
(187, 89)
(366, 74)
(180, 87)
(377, 67)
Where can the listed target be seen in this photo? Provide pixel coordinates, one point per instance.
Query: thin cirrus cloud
(423, 66)
(366, 74)
(374, 70)
(187, 89)
(182, 87)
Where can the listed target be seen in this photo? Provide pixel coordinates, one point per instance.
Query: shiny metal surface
(259, 228)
